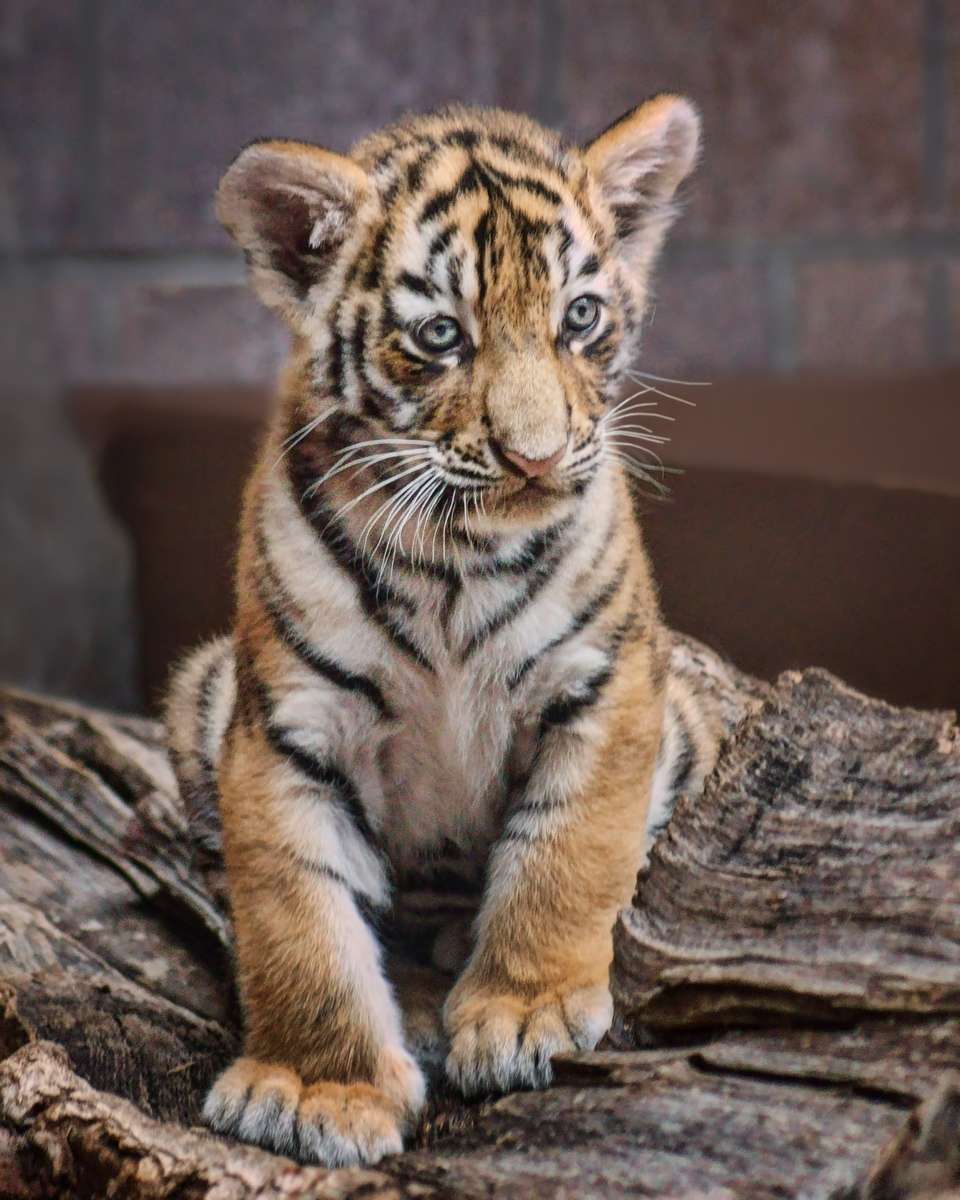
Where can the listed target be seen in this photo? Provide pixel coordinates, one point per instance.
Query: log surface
(816, 878)
(788, 991)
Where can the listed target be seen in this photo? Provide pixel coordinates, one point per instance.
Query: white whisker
(377, 486)
(406, 442)
(422, 509)
(667, 395)
(398, 515)
(637, 436)
(637, 376)
(430, 504)
(608, 418)
(631, 448)
(303, 432)
(369, 460)
(413, 507)
(632, 467)
(387, 508)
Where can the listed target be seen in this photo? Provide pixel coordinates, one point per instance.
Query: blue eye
(582, 314)
(439, 335)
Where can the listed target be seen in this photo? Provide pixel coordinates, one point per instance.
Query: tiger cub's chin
(447, 639)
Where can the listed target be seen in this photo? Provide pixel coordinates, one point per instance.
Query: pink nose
(532, 467)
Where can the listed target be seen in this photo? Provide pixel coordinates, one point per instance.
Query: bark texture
(787, 985)
(816, 878)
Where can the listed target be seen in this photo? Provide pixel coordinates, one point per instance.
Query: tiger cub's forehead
(477, 221)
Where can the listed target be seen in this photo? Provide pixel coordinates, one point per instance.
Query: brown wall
(823, 563)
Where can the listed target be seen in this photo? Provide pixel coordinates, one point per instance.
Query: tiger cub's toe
(330, 1124)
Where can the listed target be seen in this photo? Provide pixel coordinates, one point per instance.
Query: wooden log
(95, 904)
(121, 1036)
(65, 1138)
(107, 782)
(674, 1131)
(680, 1133)
(905, 1061)
(817, 878)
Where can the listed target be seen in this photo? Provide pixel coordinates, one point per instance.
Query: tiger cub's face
(469, 284)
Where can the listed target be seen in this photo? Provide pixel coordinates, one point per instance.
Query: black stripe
(455, 277)
(566, 708)
(205, 696)
(600, 347)
(601, 601)
(371, 280)
(440, 243)
(467, 138)
(324, 774)
(481, 240)
(324, 871)
(566, 241)
(358, 346)
(376, 402)
(526, 182)
(531, 554)
(510, 831)
(335, 367)
(686, 760)
(442, 202)
(374, 593)
(535, 583)
(417, 284)
(416, 168)
(454, 591)
(525, 153)
(627, 218)
(286, 630)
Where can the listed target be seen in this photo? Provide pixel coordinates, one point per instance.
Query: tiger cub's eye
(438, 334)
(582, 314)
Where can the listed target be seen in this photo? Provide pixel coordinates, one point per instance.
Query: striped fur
(447, 650)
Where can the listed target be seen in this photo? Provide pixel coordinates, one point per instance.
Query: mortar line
(106, 330)
(781, 310)
(935, 103)
(91, 119)
(549, 104)
(813, 248)
(938, 312)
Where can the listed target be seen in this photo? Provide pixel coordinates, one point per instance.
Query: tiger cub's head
(469, 286)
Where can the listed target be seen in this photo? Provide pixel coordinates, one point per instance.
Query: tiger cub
(447, 644)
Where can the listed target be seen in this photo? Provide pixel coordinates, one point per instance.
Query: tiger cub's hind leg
(198, 709)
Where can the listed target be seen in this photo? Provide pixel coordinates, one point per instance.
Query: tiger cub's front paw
(332, 1124)
(503, 1042)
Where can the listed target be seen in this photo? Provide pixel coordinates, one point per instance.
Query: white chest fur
(443, 766)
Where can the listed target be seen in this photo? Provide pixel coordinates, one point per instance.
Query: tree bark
(787, 984)
(816, 878)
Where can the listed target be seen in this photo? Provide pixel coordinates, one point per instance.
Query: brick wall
(823, 228)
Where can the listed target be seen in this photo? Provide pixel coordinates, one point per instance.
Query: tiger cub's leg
(325, 1076)
(537, 983)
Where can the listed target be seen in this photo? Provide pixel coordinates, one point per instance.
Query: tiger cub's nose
(531, 467)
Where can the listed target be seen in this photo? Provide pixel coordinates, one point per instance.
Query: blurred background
(814, 279)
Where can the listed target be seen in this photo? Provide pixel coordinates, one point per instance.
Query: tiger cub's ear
(290, 206)
(638, 163)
